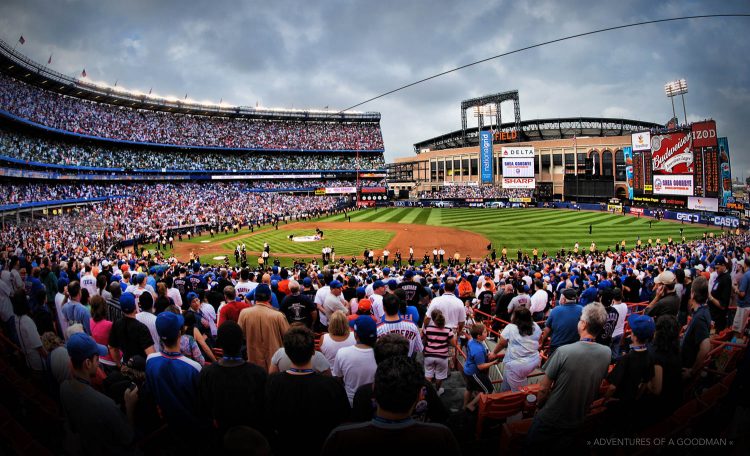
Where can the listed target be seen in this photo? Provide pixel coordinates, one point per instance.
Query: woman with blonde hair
(338, 336)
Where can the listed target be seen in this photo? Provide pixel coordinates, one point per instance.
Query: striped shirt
(437, 341)
(407, 329)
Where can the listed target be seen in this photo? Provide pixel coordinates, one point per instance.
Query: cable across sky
(557, 40)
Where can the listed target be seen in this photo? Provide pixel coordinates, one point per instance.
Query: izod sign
(704, 134)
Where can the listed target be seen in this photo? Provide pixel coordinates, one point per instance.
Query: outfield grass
(345, 242)
(545, 229)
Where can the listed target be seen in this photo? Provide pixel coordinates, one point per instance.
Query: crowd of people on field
(95, 154)
(228, 353)
(85, 117)
(477, 191)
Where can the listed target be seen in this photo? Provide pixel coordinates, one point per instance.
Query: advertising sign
(725, 170)
(648, 173)
(674, 185)
(485, 156)
(672, 154)
(340, 190)
(704, 134)
(628, 153)
(518, 167)
(637, 172)
(517, 151)
(703, 204)
(518, 182)
(641, 141)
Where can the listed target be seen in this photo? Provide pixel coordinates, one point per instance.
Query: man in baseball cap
(102, 426)
(666, 301)
(172, 377)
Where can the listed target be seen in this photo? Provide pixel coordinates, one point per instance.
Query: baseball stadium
(194, 264)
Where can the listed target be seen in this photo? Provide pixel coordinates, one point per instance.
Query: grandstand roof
(24, 69)
(542, 129)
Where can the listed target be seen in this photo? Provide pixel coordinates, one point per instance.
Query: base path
(423, 238)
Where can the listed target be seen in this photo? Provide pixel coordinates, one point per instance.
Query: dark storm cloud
(338, 53)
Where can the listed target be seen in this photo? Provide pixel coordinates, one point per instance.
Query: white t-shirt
(59, 364)
(30, 341)
(6, 307)
(538, 301)
(174, 294)
(330, 347)
(88, 281)
(320, 299)
(452, 308)
(622, 312)
(149, 319)
(377, 306)
(59, 298)
(357, 366)
(209, 312)
(521, 347)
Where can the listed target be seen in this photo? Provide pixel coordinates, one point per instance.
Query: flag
(21, 40)
(49, 60)
(149, 90)
(256, 103)
(83, 73)
(185, 96)
(326, 107)
(116, 81)
(221, 100)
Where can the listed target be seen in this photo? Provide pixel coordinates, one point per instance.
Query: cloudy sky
(339, 53)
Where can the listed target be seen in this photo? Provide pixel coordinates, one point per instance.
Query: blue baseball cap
(365, 328)
(335, 284)
(386, 270)
(719, 260)
(643, 326)
(408, 274)
(307, 281)
(262, 291)
(378, 284)
(168, 325)
(127, 302)
(192, 295)
(81, 346)
(392, 284)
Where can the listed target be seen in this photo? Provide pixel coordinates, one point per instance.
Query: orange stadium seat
(498, 406)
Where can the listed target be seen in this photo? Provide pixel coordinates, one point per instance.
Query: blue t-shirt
(173, 380)
(563, 321)
(476, 354)
(745, 288)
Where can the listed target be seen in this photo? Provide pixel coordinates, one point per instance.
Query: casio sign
(726, 221)
(688, 217)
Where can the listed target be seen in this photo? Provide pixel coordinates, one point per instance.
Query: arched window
(620, 166)
(595, 163)
(606, 163)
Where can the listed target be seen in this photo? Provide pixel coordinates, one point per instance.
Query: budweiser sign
(672, 154)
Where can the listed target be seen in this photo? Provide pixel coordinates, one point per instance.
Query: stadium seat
(711, 396)
(498, 406)
(513, 435)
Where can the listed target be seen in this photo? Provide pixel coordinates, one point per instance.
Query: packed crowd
(29, 193)
(108, 121)
(213, 348)
(477, 191)
(152, 210)
(92, 154)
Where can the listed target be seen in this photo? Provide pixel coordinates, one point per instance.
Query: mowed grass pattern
(545, 229)
(345, 242)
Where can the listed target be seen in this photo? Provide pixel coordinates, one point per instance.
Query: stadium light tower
(674, 88)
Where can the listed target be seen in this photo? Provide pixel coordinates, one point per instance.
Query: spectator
(101, 426)
(721, 294)
(521, 340)
(562, 322)
(393, 323)
(264, 328)
(355, 365)
(438, 339)
(129, 337)
(696, 342)
(337, 337)
(478, 362)
(101, 328)
(398, 385)
(666, 301)
(232, 391)
(28, 336)
(298, 307)
(303, 405)
(577, 371)
(665, 387)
